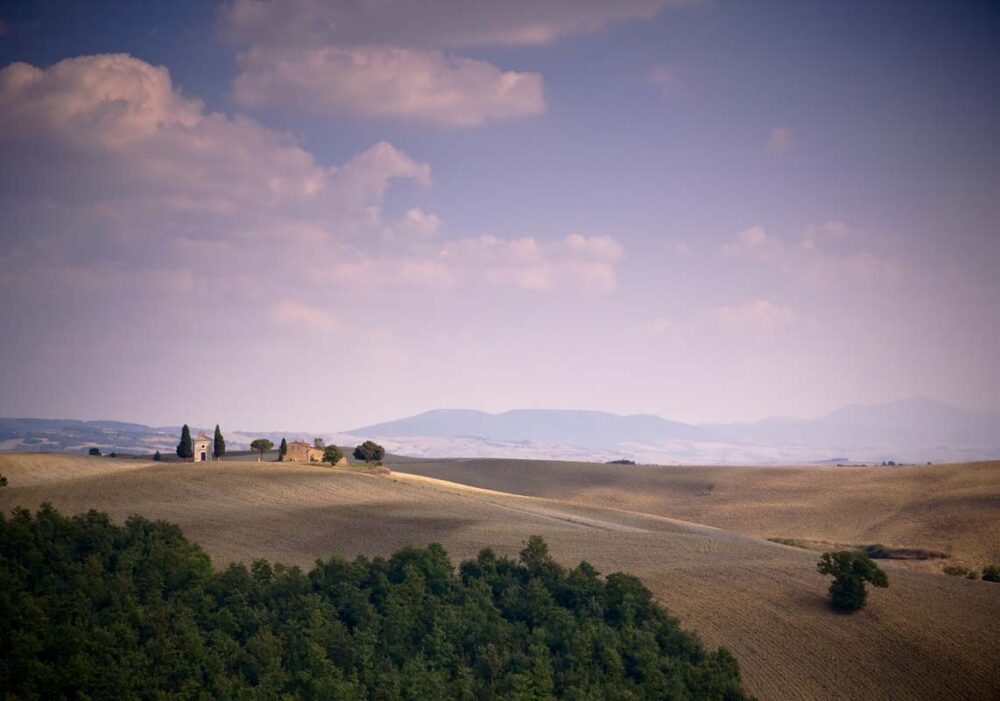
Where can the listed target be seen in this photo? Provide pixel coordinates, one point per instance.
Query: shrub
(991, 573)
(137, 611)
(850, 571)
(3, 481)
(369, 452)
(94, 451)
(157, 457)
(332, 454)
(959, 571)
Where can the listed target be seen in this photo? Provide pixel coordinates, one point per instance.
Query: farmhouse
(202, 445)
(300, 451)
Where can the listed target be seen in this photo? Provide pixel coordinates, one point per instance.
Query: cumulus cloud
(755, 315)
(809, 258)
(575, 262)
(387, 82)
(395, 60)
(117, 182)
(435, 24)
(300, 315)
(780, 139)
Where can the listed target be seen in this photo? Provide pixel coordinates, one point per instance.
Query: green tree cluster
(95, 610)
(850, 571)
(94, 451)
(369, 451)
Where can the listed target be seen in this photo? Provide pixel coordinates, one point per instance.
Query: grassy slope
(925, 637)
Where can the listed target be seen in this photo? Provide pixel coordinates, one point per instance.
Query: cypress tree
(218, 444)
(185, 449)
(282, 449)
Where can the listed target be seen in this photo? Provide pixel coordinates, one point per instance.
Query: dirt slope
(927, 636)
(951, 508)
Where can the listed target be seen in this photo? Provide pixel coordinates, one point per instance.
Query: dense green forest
(92, 610)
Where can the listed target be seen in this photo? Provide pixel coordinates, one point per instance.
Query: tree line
(91, 609)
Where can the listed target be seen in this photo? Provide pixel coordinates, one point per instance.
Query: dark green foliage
(959, 571)
(94, 451)
(185, 449)
(850, 571)
(3, 481)
(877, 551)
(261, 445)
(89, 609)
(283, 449)
(369, 452)
(332, 454)
(157, 457)
(991, 573)
(621, 461)
(218, 444)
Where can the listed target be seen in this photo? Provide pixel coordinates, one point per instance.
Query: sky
(313, 215)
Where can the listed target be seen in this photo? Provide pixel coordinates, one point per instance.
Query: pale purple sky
(318, 215)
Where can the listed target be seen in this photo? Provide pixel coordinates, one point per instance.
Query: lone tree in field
(94, 451)
(850, 571)
(157, 457)
(185, 449)
(218, 444)
(332, 454)
(261, 445)
(369, 452)
(282, 449)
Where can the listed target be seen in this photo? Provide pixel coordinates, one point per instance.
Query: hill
(950, 508)
(927, 636)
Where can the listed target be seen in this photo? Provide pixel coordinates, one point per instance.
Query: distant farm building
(300, 451)
(202, 445)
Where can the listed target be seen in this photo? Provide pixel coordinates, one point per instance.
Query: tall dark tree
(282, 449)
(218, 444)
(185, 449)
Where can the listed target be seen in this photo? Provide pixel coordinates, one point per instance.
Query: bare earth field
(954, 509)
(927, 636)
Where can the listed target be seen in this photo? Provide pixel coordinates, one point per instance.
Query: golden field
(927, 636)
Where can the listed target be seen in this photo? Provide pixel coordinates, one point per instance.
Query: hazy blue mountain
(587, 429)
(908, 422)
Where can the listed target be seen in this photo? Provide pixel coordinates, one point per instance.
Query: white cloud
(755, 315)
(780, 139)
(414, 224)
(658, 326)
(390, 59)
(433, 23)
(299, 315)
(387, 82)
(808, 259)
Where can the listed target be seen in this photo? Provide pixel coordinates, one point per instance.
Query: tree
(157, 457)
(3, 481)
(283, 449)
(332, 454)
(185, 449)
(94, 451)
(369, 452)
(991, 573)
(850, 571)
(261, 445)
(218, 444)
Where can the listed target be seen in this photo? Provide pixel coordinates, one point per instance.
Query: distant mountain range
(911, 430)
(907, 430)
